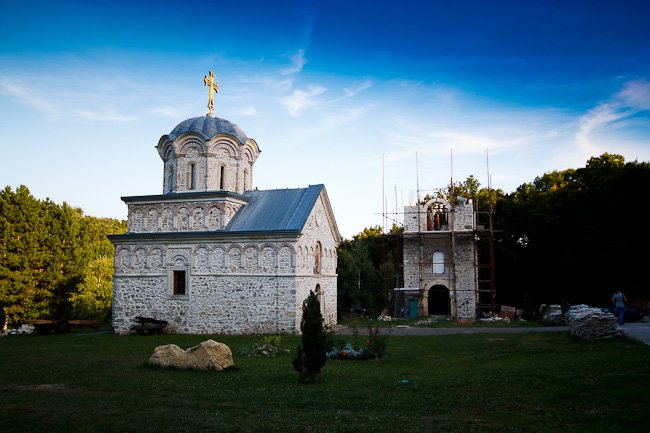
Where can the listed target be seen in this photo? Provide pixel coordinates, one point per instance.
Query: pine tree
(310, 356)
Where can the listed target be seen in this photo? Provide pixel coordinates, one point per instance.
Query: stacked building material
(552, 315)
(591, 323)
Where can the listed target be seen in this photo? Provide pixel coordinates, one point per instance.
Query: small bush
(310, 354)
(374, 346)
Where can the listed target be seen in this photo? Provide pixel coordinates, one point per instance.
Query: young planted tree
(310, 356)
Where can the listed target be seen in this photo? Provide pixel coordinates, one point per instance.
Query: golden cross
(211, 86)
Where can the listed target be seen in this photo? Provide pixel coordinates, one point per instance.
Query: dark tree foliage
(574, 236)
(367, 271)
(310, 356)
(45, 251)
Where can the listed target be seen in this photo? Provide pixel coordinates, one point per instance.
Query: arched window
(191, 176)
(222, 177)
(170, 179)
(438, 262)
(318, 258)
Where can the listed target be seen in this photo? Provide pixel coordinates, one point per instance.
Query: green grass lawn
(460, 383)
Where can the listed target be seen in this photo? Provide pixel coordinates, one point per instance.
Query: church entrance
(439, 301)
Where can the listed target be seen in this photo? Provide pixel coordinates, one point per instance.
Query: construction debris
(493, 318)
(552, 315)
(591, 323)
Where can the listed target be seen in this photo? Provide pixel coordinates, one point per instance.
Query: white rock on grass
(209, 355)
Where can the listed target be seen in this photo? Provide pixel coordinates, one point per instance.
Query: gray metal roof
(276, 210)
(208, 127)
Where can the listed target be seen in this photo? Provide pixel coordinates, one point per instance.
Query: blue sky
(326, 88)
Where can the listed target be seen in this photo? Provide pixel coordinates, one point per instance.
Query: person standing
(619, 301)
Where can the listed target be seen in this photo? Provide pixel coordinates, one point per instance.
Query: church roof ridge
(276, 209)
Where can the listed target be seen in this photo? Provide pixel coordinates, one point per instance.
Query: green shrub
(310, 355)
(376, 343)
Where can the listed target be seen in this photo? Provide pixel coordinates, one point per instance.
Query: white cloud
(298, 61)
(596, 125)
(15, 88)
(351, 91)
(300, 99)
(636, 94)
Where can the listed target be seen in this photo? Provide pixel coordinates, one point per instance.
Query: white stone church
(213, 255)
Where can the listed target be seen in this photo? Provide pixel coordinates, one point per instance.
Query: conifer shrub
(310, 355)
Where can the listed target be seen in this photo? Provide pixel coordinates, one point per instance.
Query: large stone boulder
(169, 355)
(209, 355)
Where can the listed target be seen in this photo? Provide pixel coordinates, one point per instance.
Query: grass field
(464, 383)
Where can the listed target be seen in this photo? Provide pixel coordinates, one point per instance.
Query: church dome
(208, 127)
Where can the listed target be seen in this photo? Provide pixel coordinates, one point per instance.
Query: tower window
(170, 180)
(438, 262)
(222, 176)
(192, 176)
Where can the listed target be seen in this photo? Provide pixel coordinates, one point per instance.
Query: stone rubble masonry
(222, 153)
(420, 245)
(235, 286)
(180, 216)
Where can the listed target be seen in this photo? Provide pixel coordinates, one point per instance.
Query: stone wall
(180, 216)
(232, 287)
(213, 304)
(317, 231)
(208, 158)
(461, 283)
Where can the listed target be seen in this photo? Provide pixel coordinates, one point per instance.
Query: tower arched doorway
(438, 300)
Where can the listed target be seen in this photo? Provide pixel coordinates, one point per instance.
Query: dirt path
(399, 330)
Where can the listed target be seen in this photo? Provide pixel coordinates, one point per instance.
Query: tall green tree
(575, 235)
(49, 255)
(367, 271)
(24, 286)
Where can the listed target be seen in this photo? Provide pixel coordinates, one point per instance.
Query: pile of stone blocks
(591, 323)
(552, 315)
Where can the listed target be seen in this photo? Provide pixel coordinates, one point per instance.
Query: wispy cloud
(354, 90)
(16, 89)
(301, 99)
(636, 94)
(298, 61)
(633, 98)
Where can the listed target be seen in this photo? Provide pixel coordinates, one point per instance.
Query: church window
(179, 288)
(191, 181)
(318, 258)
(170, 179)
(222, 177)
(438, 262)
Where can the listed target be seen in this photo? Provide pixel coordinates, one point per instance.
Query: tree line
(55, 262)
(570, 236)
